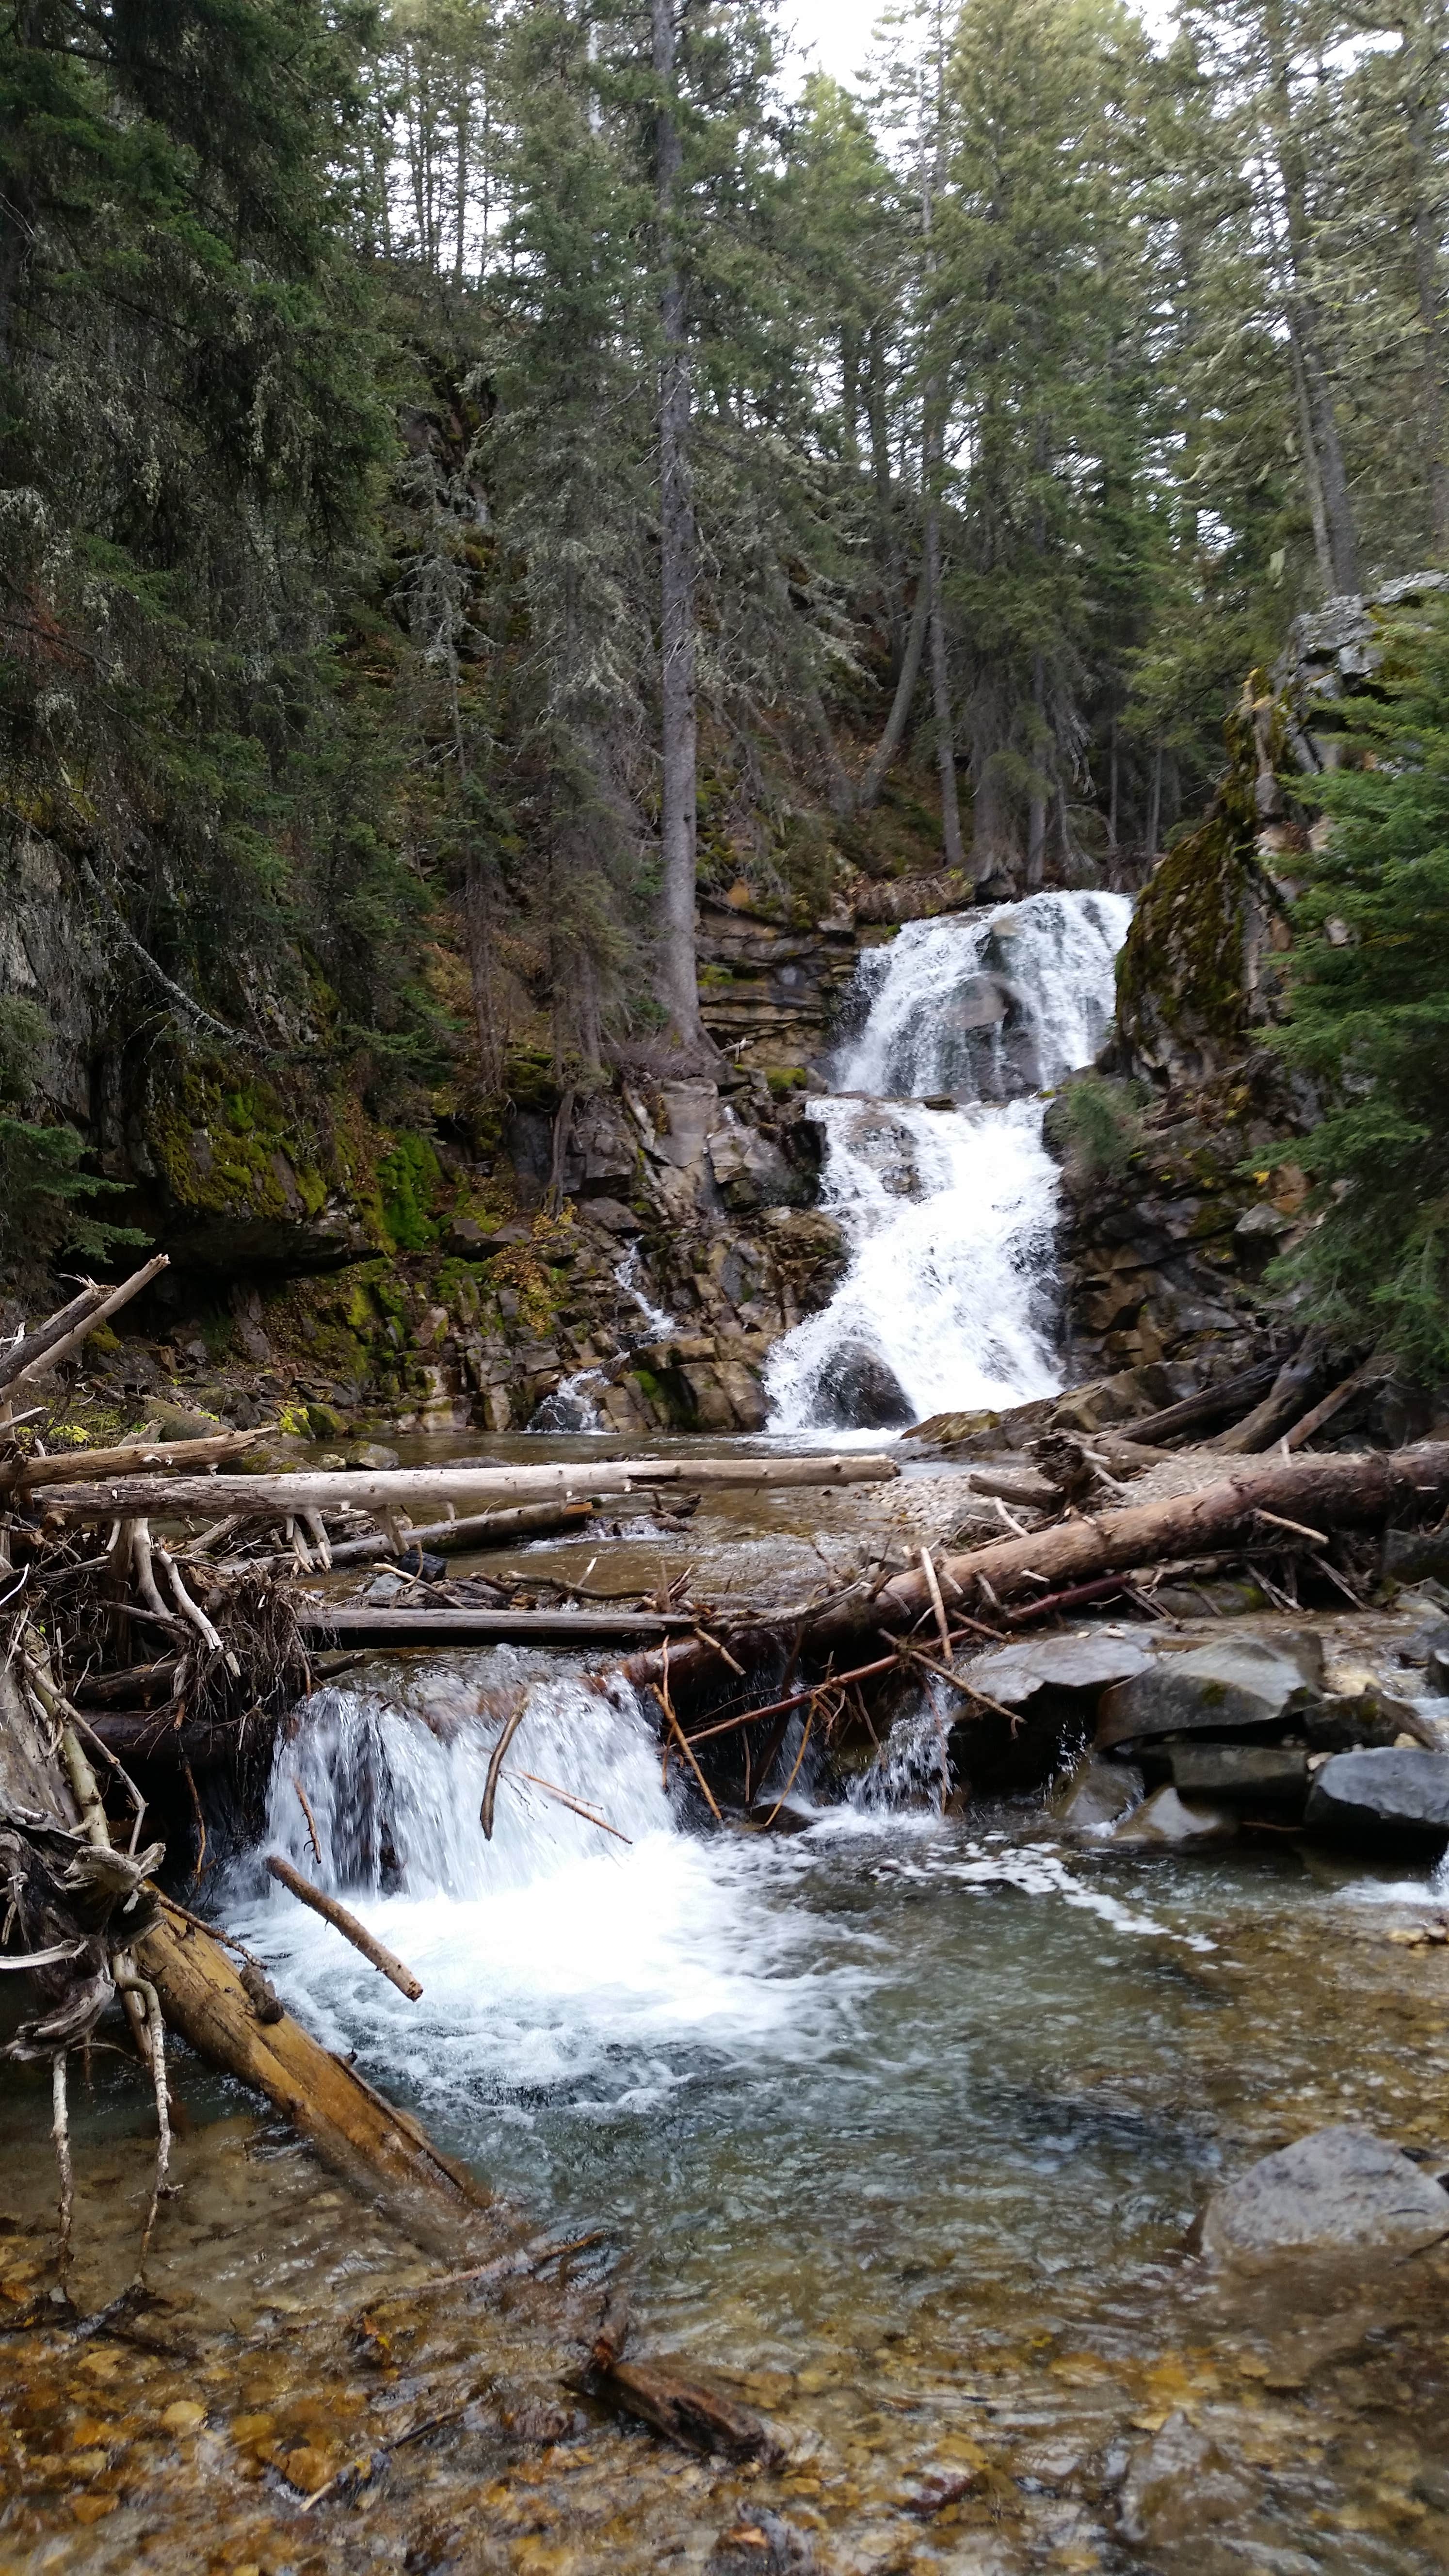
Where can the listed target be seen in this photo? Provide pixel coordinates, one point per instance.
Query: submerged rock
(1096, 1794)
(1177, 2484)
(1216, 1689)
(1166, 1822)
(1337, 2190)
(1397, 1794)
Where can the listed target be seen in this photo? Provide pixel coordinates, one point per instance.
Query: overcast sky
(836, 33)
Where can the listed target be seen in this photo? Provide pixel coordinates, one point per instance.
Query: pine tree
(1370, 1010)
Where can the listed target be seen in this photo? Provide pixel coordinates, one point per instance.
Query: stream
(905, 2118)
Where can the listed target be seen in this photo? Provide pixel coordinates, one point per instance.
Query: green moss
(1182, 963)
(783, 1079)
(409, 1175)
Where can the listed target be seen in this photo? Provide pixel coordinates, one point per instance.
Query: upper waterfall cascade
(950, 1208)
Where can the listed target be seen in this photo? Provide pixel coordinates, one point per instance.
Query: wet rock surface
(1244, 1682)
(1398, 1795)
(1338, 2190)
(1165, 1822)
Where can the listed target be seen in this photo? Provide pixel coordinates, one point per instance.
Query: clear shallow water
(906, 2122)
(902, 2123)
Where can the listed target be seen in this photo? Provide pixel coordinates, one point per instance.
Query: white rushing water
(559, 1964)
(555, 1956)
(950, 1210)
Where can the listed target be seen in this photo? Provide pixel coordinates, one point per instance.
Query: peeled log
(349, 1626)
(373, 2145)
(411, 1489)
(480, 1530)
(25, 1475)
(1326, 1492)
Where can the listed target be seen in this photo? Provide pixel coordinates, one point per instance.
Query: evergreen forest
(477, 471)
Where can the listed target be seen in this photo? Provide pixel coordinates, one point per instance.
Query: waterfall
(936, 1168)
(558, 1962)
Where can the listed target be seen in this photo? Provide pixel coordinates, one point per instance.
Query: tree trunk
(400, 1489)
(941, 693)
(678, 978)
(378, 2148)
(1036, 811)
(1312, 479)
(1421, 127)
(1325, 1492)
(1304, 309)
(890, 741)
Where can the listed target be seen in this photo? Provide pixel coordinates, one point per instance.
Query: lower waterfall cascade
(936, 1168)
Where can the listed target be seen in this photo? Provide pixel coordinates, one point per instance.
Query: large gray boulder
(1397, 1795)
(1336, 2191)
(1252, 1774)
(1014, 1674)
(1216, 1689)
(859, 1391)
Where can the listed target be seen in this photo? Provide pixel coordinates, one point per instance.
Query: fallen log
(1286, 1398)
(110, 1304)
(1330, 1491)
(347, 1924)
(369, 2141)
(1336, 1398)
(350, 1625)
(686, 2410)
(479, 1530)
(32, 1346)
(1196, 1411)
(392, 1491)
(27, 1475)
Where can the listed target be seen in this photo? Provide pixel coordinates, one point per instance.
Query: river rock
(1337, 2190)
(762, 2544)
(1216, 1689)
(1411, 1554)
(1095, 1794)
(1177, 2485)
(1165, 1822)
(859, 1391)
(1396, 1794)
(1274, 1774)
(1341, 1724)
(1014, 1674)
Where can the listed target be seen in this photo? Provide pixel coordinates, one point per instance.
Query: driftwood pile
(153, 1614)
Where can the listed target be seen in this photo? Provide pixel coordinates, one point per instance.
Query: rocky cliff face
(1175, 1199)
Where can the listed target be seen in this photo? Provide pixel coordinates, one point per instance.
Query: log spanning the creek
(480, 1530)
(1238, 1511)
(26, 1475)
(393, 1492)
(1323, 1492)
(350, 1624)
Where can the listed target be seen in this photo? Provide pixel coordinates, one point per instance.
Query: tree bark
(1305, 312)
(398, 1489)
(1327, 1491)
(1422, 55)
(890, 741)
(678, 977)
(941, 693)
